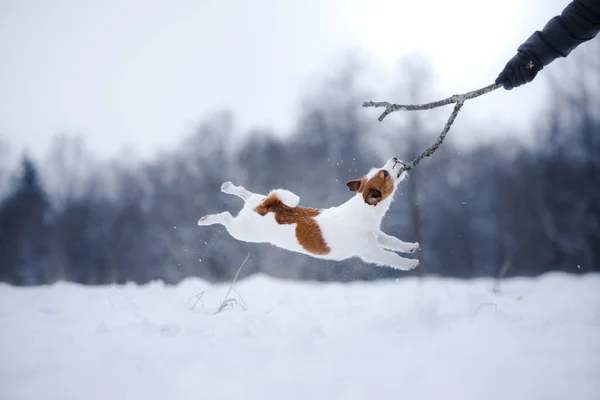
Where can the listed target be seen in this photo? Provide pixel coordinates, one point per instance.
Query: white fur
(351, 229)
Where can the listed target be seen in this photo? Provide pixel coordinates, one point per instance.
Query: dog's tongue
(374, 198)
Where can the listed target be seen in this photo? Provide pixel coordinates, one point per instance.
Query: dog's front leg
(379, 256)
(393, 243)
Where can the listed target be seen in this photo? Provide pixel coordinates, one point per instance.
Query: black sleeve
(578, 23)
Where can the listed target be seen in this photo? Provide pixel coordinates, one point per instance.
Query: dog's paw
(204, 221)
(226, 186)
(414, 264)
(414, 247)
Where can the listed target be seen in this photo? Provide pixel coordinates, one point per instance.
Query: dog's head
(379, 183)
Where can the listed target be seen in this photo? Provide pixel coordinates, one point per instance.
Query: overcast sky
(143, 74)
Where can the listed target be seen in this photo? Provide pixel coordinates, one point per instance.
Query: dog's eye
(385, 174)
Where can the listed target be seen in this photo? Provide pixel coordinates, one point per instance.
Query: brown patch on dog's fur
(308, 232)
(375, 189)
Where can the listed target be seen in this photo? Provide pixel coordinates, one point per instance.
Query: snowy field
(438, 339)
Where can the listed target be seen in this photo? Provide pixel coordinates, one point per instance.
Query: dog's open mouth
(374, 197)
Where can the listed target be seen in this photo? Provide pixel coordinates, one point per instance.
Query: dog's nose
(395, 159)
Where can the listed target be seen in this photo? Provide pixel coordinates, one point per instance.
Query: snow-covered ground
(438, 339)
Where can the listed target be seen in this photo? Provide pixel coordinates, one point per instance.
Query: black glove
(518, 71)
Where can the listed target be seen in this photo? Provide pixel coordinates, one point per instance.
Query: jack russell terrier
(351, 229)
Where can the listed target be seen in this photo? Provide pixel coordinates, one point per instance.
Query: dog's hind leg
(235, 225)
(224, 218)
(239, 191)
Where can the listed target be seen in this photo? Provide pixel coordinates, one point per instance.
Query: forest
(498, 208)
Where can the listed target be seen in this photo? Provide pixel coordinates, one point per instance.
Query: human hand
(518, 71)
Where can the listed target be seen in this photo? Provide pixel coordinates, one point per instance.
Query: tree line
(533, 208)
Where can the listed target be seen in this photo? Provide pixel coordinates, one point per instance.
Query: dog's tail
(288, 198)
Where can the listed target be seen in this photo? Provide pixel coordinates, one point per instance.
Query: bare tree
(570, 205)
(67, 169)
(4, 161)
(418, 73)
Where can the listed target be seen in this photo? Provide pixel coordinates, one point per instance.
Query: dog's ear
(373, 197)
(353, 185)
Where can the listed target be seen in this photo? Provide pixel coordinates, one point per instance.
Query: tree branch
(459, 99)
(438, 142)
(390, 108)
